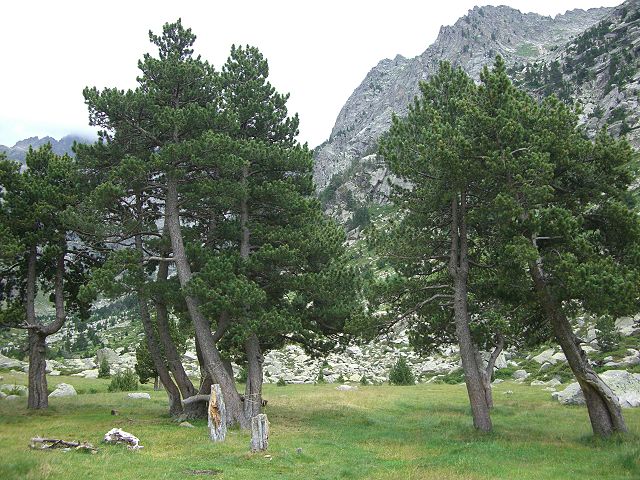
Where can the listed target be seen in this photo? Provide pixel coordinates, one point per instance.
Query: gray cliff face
(472, 42)
(60, 147)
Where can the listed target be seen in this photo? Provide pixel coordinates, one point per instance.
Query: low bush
(401, 374)
(124, 381)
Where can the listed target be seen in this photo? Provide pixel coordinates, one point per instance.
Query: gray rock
(3, 395)
(520, 375)
(624, 384)
(12, 397)
(107, 353)
(63, 390)
(8, 363)
(139, 395)
(346, 388)
(14, 389)
(186, 425)
(93, 373)
(546, 357)
(627, 325)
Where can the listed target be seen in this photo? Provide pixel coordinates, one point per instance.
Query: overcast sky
(318, 51)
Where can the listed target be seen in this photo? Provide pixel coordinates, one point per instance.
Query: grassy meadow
(376, 432)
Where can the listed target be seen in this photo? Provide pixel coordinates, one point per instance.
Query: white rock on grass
(140, 395)
(346, 388)
(8, 363)
(63, 390)
(93, 373)
(625, 385)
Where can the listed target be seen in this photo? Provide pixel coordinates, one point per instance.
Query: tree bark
(211, 355)
(171, 352)
(217, 415)
(486, 374)
(602, 404)
(175, 402)
(253, 388)
(259, 433)
(459, 271)
(38, 396)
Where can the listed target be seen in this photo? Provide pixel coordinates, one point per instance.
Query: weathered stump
(259, 433)
(217, 415)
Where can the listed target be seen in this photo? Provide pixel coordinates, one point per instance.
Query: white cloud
(319, 52)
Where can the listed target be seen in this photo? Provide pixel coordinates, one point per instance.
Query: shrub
(364, 380)
(608, 336)
(105, 370)
(340, 379)
(124, 381)
(281, 383)
(401, 374)
(320, 378)
(242, 375)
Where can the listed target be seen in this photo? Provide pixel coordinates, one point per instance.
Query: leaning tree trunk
(602, 404)
(253, 388)
(459, 271)
(38, 396)
(211, 355)
(486, 374)
(175, 402)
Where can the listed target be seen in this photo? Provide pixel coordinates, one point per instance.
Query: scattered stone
(520, 375)
(346, 388)
(63, 390)
(497, 381)
(624, 384)
(54, 373)
(508, 392)
(139, 395)
(546, 357)
(93, 373)
(186, 425)
(115, 435)
(13, 389)
(115, 412)
(51, 443)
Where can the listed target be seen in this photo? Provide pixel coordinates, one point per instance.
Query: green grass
(376, 432)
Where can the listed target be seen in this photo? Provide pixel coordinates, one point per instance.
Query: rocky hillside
(594, 55)
(60, 147)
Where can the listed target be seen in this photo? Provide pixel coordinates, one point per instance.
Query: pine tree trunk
(156, 383)
(253, 389)
(218, 420)
(175, 402)
(211, 356)
(38, 394)
(602, 404)
(259, 433)
(191, 410)
(459, 271)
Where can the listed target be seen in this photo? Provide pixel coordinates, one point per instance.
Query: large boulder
(8, 363)
(520, 375)
(627, 325)
(546, 357)
(106, 353)
(624, 384)
(63, 390)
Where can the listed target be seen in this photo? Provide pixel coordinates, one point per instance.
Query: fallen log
(116, 435)
(39, 443)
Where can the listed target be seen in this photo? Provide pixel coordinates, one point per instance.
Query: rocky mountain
(60, 147)
(347, 172)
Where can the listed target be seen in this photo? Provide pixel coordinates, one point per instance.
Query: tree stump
(259, 433)
(217, 415)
